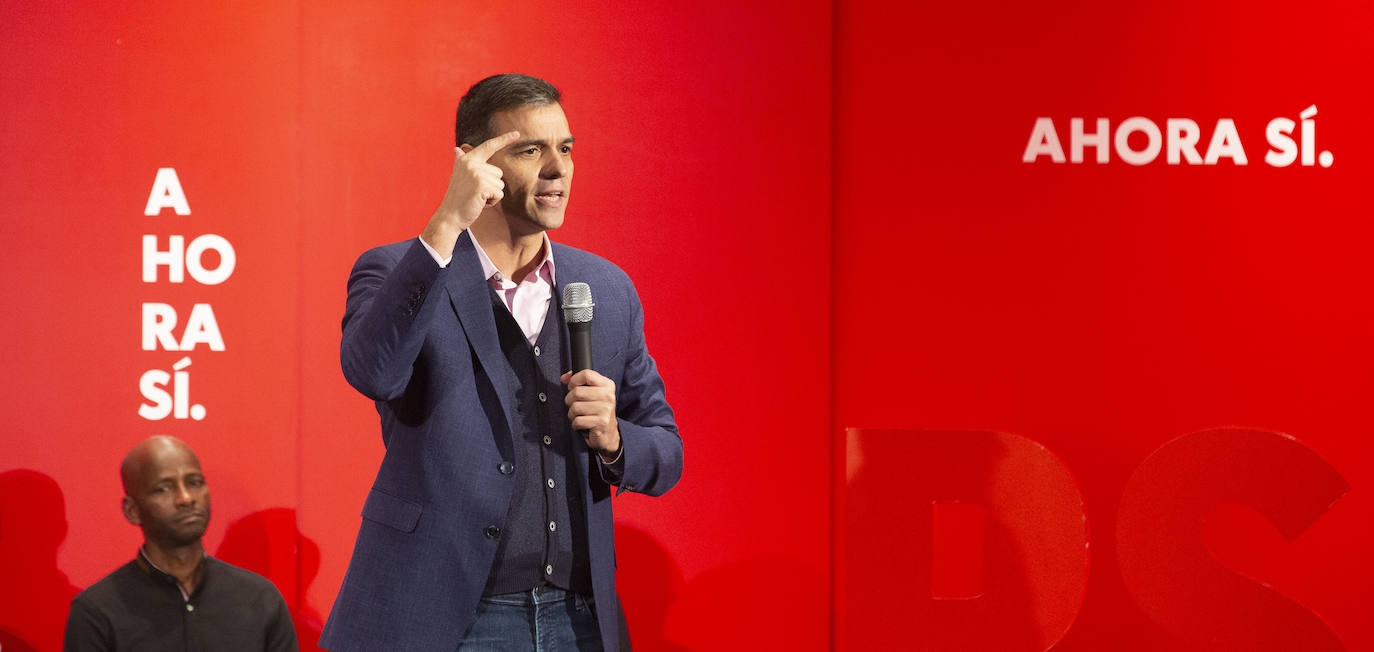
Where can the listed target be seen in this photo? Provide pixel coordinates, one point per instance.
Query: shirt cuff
(614, 472)
(443, 262)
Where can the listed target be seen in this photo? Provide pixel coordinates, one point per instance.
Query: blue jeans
(542, 620)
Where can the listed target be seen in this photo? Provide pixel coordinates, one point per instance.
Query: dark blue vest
(544, 541)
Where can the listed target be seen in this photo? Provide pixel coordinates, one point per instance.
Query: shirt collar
(545, 268)
(149, 567)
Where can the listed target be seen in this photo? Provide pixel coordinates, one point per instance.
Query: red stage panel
(97, 98)
(1104, 309)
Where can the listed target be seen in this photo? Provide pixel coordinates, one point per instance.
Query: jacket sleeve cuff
(443, 262)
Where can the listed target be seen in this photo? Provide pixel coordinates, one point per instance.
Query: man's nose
(184, 495)
(555, 169)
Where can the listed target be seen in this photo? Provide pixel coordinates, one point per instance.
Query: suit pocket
(611, 365)
(391, 511)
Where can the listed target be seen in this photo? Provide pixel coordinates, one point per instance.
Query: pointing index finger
(490, 147)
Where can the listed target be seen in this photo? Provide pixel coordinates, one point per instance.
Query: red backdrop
(907, 364)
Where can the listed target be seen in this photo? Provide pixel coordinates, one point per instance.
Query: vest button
(506, 468)
(492, 531)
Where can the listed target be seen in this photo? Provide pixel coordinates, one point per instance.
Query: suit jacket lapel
(570, 272)
(471, 299)
(565, 272)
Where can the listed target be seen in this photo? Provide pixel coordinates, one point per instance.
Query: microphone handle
(580, 341)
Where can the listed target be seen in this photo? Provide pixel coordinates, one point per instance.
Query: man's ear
(130, 511)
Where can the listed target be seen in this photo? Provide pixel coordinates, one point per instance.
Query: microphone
(577, 311)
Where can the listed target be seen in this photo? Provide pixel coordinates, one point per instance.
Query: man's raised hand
(474, 185)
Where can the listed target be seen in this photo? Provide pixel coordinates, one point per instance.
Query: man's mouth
(191, 516)
(550, 198)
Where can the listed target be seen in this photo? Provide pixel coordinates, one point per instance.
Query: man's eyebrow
(526, 143)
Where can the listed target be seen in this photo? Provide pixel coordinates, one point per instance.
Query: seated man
(173, 596)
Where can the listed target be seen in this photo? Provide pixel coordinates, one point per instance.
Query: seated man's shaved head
(142, 454)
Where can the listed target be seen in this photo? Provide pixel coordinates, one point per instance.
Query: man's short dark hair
(495, 94)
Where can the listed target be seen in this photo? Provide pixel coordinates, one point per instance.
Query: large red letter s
(1166, 565)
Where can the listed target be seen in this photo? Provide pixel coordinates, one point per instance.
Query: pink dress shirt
(528, 300)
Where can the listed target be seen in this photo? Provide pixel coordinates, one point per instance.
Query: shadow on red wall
(269, 543)
(720, 609)
(647, 581)
(34, 595)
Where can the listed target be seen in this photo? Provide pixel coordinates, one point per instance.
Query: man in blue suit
(489, 525)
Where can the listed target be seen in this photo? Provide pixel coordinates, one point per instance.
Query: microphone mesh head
(577, 303)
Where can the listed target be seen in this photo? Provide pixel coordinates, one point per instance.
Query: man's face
(168, 497)
(537, 168)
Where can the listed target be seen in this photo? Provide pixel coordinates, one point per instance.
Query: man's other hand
(591, 407)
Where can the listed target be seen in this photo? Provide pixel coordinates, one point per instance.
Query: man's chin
(550, 219)
(188, 534)
(544, 220)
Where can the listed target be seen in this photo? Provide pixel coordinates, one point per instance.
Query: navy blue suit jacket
(421, 341)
